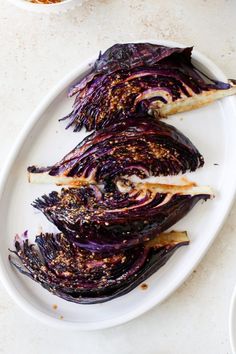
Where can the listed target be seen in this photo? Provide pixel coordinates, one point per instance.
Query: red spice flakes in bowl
(45, 1)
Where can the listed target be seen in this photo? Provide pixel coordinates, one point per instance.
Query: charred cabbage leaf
(105, 221)
(141, 147)
(141, 78)
(83, 277)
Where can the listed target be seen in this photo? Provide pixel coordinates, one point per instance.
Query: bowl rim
(46, 8)
(27, 307)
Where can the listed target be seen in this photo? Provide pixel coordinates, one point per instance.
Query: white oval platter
(44, 140)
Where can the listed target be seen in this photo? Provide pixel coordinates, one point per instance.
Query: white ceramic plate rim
(14, 293)
(232, 321)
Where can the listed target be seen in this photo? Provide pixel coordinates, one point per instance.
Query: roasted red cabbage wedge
(140, 147)
(141, 78)
(105, 221)
(86, 278)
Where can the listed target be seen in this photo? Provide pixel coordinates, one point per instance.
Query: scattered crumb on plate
(144, 286)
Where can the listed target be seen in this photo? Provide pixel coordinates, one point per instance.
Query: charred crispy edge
(194, 102)
(46, 201)
(168, 243)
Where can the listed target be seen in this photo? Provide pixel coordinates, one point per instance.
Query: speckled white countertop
(38, 50)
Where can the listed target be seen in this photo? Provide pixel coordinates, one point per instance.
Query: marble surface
(37, 51)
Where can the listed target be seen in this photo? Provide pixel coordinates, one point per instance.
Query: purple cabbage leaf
(140, 79)
(103, 221)
(141, 147)
(83, 277)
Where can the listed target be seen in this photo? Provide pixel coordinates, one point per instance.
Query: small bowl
(65, 5)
